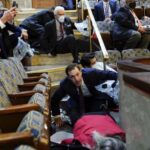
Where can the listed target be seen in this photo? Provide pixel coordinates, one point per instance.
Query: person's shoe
(51, 55)
(76, 61)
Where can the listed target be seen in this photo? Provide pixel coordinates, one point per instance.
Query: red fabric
(67, 141)
(94, 37)
(103, 124)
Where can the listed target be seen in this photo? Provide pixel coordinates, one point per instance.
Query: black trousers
(68, 44)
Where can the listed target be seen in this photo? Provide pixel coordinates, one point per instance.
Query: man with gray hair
(59, 34)
(128, 28)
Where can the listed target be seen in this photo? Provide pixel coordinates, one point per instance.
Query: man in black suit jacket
(59, 35)
(128, 28)
(86, 79)
(35, 25)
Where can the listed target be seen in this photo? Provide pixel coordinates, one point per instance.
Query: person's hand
(24, 34)
(58, 121)
(141, 29)
(107, 19)
(9, 15)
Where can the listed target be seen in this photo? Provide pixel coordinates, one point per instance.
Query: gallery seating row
(24, 107)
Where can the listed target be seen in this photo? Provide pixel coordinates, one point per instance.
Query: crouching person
(80, 86)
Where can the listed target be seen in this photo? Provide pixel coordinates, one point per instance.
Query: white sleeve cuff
(2, 25)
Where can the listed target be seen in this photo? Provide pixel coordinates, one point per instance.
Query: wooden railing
(96, 30)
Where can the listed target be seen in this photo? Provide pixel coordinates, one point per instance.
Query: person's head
(112, 144)
(59, 13)
(74, 73)
(131, 4)
(105, 0)
(108, 143)
(88, 59)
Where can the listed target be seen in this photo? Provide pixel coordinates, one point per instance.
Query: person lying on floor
(93, 131)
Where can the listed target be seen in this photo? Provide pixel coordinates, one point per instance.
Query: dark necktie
(62, 30)
(81, 101)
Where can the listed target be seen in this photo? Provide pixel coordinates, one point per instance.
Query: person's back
(41, 18)
(35, 26)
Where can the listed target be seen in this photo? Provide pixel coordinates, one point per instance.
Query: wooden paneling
(42, 3)
(46, 3)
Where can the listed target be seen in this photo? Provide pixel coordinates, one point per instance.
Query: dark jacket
(8, 42)
(91, 77)
(99, 10)
(51, 33)
(35, 23)
(124, 24)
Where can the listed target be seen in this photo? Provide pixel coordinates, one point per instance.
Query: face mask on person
(61, 19)
(132, 5)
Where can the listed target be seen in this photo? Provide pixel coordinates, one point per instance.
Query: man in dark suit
(58, 35)
(80, 86)
(105, 9)
(35, 26)
(128, 28)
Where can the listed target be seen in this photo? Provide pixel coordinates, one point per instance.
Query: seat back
(7, 79)
(4, 99)
(19, 66)
(139, 12)
(114, 56)
(13, 71)
(24, 147)
(132, 53)
(35, 123)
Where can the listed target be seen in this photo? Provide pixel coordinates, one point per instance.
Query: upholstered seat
(7, 101)
(133, 53)
(12, 78)
(24, 147)
(43, 77)
(31, 129)
(114, 56)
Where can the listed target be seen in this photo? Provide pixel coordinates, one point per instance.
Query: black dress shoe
(76, 61)
(52, 54)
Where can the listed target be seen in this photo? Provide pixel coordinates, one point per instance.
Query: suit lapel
(102, 8)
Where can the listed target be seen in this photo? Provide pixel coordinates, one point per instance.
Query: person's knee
(146, 37)
(136, 35)
(71, 37)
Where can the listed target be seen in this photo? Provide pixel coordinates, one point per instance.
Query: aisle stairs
(24, 13)
(54, 65)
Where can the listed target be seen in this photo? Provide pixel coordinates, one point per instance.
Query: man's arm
(100, 75)
(55, 100)
(121, 18)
